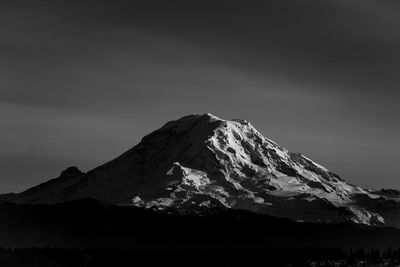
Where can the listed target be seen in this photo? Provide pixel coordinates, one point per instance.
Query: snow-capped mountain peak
(205, 161)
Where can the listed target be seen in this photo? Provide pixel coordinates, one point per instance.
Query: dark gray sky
(83, 81)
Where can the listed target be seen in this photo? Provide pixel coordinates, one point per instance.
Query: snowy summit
(202, 161)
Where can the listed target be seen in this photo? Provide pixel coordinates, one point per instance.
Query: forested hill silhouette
(270, 256)
(91, 223)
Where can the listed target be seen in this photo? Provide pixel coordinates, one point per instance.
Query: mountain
(201, 162)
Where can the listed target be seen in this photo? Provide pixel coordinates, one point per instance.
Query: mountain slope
(202, 161)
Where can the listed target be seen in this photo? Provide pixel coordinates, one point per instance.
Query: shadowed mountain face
(201, 161)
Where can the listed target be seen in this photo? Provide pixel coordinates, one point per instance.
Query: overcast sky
(83, 81)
